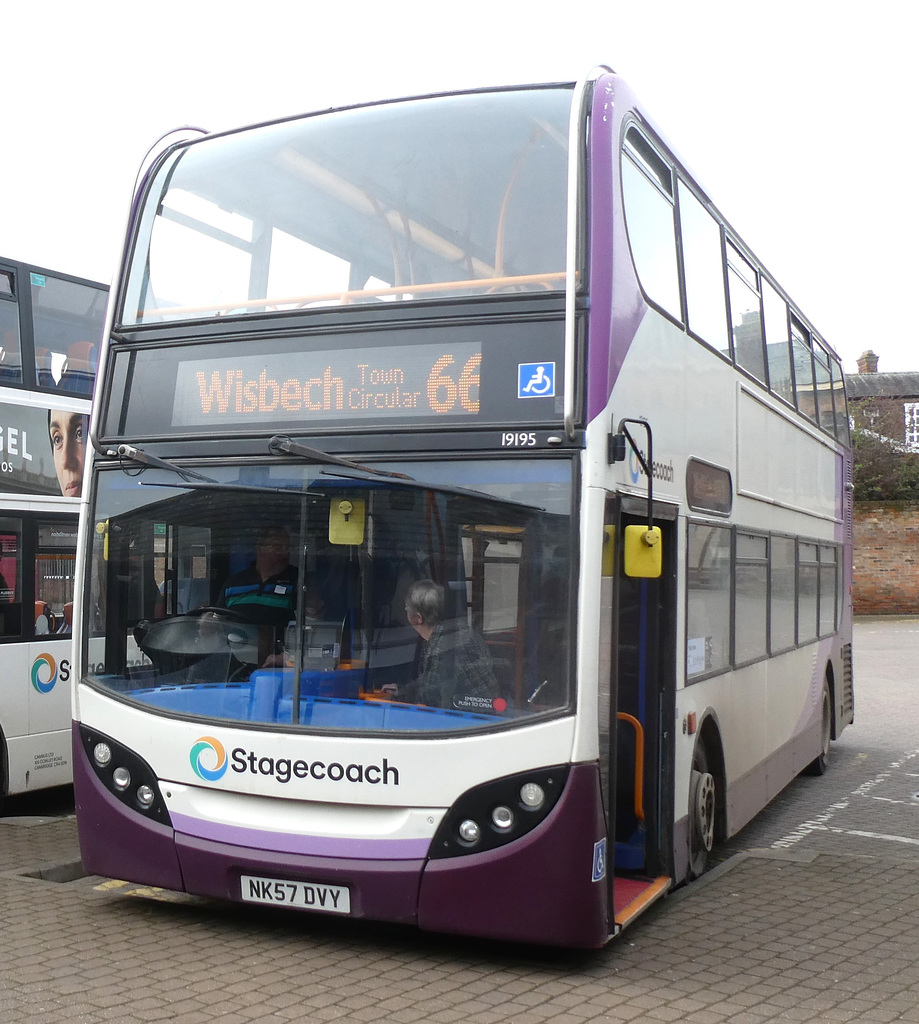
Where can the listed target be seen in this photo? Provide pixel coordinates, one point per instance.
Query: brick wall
(886, 569)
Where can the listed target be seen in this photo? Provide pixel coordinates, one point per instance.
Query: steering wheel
(218, 612)
(207, 630)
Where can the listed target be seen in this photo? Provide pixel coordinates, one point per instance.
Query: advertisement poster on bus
(41, 450)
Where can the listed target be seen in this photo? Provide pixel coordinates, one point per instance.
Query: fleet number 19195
(518, 439)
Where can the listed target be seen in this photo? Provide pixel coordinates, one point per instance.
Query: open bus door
(639, 772)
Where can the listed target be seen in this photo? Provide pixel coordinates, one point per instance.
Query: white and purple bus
(468, 542)
(50, 329)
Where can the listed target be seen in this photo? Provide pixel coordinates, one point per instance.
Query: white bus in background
(50, 327)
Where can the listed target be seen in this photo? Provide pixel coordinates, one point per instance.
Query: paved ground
(812, 916)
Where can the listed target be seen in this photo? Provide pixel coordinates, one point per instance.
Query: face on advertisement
(68, 435)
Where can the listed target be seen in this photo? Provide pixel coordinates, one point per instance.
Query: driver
(265, 593)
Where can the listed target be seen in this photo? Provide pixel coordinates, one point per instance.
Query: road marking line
(880, 835)
(819, 822)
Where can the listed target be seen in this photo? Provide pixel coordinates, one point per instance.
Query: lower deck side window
(749, 596)
(708, 600)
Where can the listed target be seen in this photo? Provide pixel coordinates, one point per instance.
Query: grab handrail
(639, 761)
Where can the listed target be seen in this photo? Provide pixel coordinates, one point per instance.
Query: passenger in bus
(454, 668)
(67, 431)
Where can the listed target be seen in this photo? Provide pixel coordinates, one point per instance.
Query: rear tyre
(702, 805)
(818, 765)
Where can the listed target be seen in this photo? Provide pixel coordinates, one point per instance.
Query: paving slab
(812, 915)
(768, 935)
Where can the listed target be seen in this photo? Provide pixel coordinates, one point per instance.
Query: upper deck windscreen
(447, 196)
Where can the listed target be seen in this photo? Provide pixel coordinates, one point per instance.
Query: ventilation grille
(848, 695)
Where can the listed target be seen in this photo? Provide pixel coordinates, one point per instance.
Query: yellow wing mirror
(643, 552)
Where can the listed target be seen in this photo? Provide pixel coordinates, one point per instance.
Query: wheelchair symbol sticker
(599, 866)
(536, 380)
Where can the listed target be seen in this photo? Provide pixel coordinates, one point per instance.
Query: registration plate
(334, 899)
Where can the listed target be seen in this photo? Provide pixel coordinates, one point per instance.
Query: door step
(632, 896)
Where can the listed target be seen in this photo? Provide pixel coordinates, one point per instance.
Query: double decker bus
(50, 330)
(468, 541)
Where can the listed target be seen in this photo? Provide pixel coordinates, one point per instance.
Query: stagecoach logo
(659, 470)
(208, 758)
(209, 761)
(45, 672)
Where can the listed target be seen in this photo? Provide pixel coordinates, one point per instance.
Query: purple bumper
(538, 889)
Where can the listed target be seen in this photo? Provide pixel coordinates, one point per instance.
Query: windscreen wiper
(358, 471)
(284, 445)
(128, 451)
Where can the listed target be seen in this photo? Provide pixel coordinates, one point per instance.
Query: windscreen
(292, 596)
(446, 196)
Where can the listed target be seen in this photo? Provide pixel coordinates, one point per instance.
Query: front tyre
(702, 805)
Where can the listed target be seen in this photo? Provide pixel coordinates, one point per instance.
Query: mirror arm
(617, 449)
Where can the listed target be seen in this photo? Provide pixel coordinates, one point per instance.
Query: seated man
(265, 592)
(454, 667)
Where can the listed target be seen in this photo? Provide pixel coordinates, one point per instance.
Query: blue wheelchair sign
(599, 866)
(535, 380)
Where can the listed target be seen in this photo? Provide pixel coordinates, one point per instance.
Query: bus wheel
(702, 805)
(818, 765)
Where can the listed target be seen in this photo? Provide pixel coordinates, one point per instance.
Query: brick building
(869, 390)
(886, 569)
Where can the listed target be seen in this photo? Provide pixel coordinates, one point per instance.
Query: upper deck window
(746, 317)
(778, 350)
(647, 190)
(448, 196)
(823, 383)
(67, 322)
(10, 345)
(804, 369)
(704, 272)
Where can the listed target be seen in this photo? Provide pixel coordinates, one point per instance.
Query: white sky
(783, 111)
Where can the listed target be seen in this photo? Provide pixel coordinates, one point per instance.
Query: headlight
(532, 795)
(102, 754)
(469, 831)
(499, 812)
(125, 775)
(502, 818)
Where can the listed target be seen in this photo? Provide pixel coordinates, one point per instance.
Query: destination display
(471, 374)
(425, 380)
